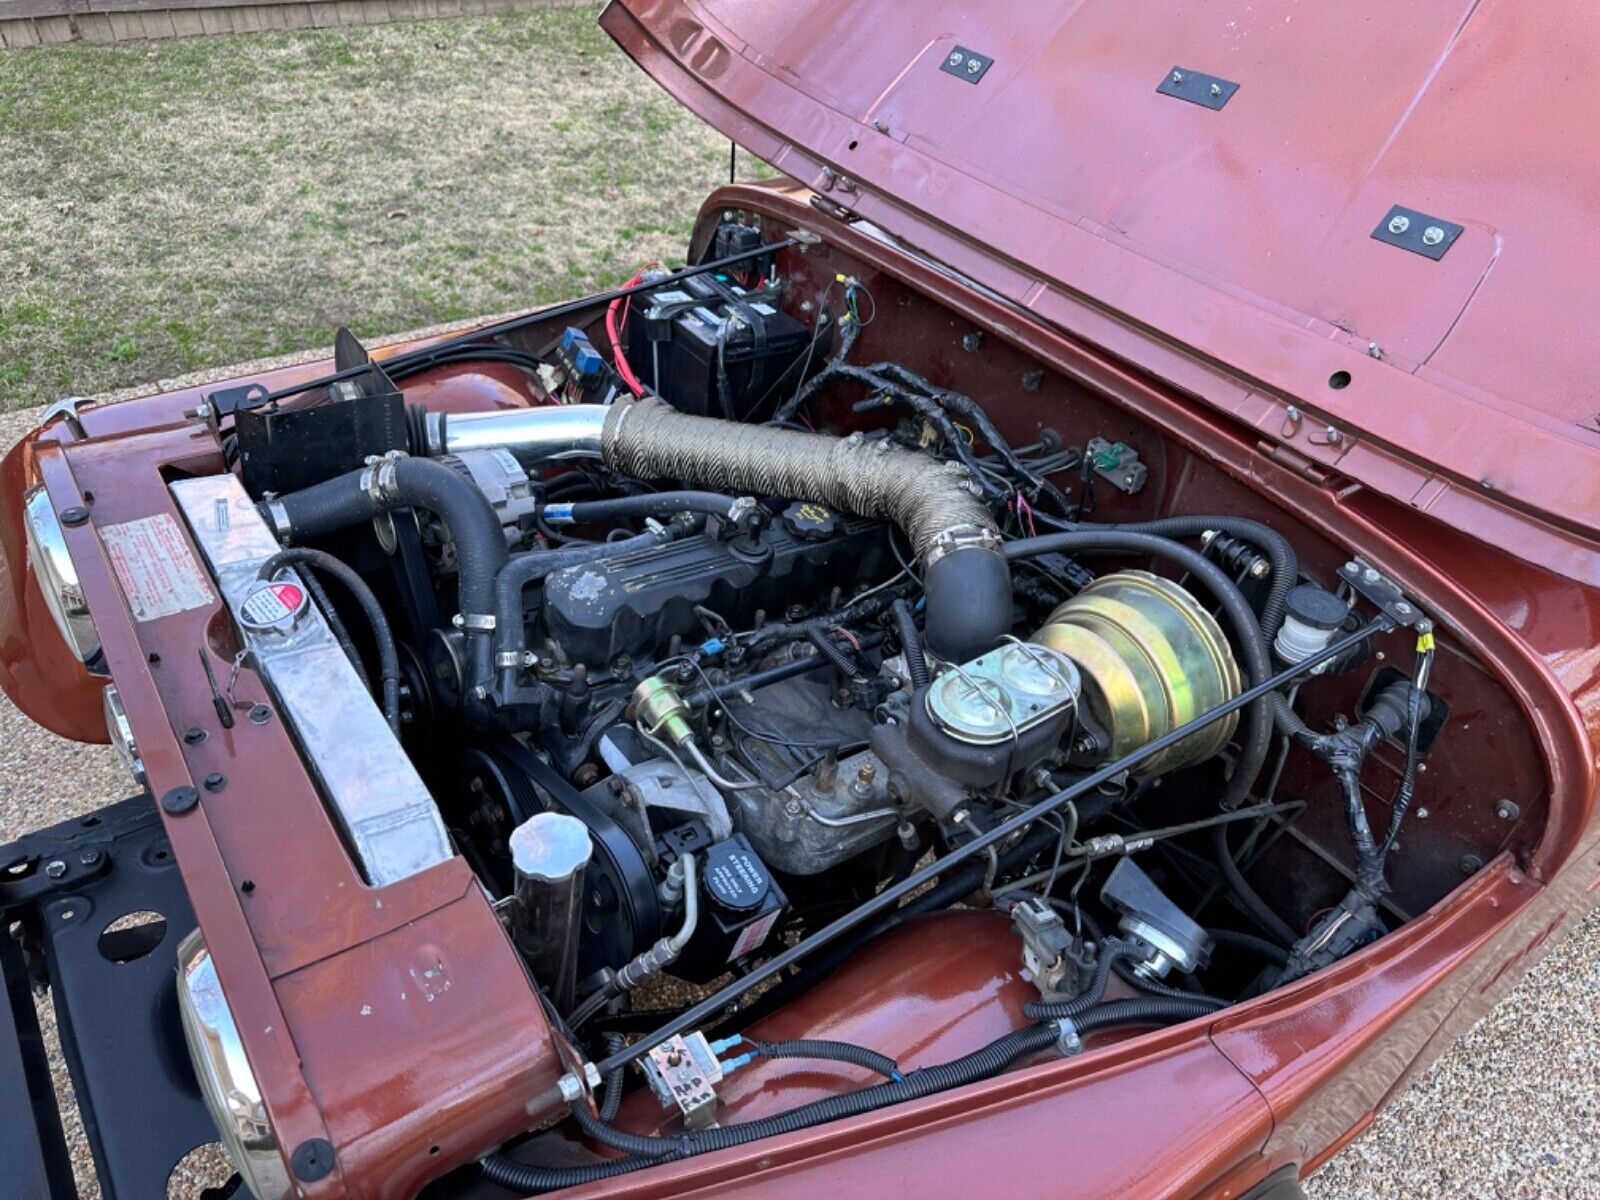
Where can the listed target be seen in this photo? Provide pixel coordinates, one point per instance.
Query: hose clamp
(279, 516)
(433, 434)
(960, 537)
(474, 622)
(378, 480)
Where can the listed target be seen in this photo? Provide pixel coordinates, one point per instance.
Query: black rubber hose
(1280, 553)
(647, 504)
(980, 1064)
(1250, 943)
(535, 565)
(340, 633)
(821, 1048)
(1112, 952)
(611, 1098)
(528, 1180)
(1143, 1010)
(910, 644)
(1155, 987)
(388, 657)
(420, 483)
(1258, 909)
(969, 602)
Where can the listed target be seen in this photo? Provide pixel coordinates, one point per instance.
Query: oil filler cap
(810, 521)
(735, 878)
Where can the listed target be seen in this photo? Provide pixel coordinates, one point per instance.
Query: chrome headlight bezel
(227, 1083)
(58, 578)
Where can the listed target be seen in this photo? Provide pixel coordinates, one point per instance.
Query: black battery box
(709, 346)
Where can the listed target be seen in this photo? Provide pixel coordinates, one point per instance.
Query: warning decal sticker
(156, 568)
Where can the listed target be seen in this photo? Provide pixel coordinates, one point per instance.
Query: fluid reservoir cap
(550, 846)
(1317, 607)
(273, 605)
(735, 878)
(810, 521)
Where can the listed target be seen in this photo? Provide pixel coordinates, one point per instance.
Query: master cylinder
(1151, 659)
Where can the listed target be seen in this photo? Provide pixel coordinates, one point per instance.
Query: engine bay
(769, 619)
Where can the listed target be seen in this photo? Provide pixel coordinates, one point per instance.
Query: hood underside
(1244, 222)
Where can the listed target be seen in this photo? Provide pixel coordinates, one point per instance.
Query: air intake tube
(967, 580)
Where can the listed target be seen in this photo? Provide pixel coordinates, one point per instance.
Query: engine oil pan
(1151, 659)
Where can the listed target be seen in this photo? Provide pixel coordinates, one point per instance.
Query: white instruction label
(156, 568)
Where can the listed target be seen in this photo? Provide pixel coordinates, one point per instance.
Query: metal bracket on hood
(1208, 91)
(966, 64)
(1417, 232)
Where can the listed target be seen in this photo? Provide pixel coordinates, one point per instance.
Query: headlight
(58, 579)
(226, 1081)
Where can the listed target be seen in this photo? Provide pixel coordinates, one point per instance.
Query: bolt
(1032, 381)
(216, 781)
(1216, 89)
(1400, 224)
(791, 808)
(1402, 608)
(247, 886)
(973, 66)
(260, 714)
(1370, 575)
(1432, 235)
(955, 59)
(1177, 77)
(194, 736)
(76, 515)
(973, 341)
(55, 868)
(866, 773)
(1470, 863)
(89, 857)
(1422, 814)
(1374, 350)
(1507, 810)
(881, 125)
(1332, 435)
(1260, 569)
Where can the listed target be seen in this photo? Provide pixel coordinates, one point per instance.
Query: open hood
(1210, 192)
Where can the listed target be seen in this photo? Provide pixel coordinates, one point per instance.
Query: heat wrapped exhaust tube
(966, 578)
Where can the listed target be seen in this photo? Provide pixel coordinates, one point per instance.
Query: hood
(1210, 191)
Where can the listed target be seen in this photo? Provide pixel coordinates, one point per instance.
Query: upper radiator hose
(967, 580)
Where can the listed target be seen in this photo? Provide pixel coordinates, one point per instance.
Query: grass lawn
(166, 207)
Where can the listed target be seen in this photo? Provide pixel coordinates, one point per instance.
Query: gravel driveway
(1512, 1111)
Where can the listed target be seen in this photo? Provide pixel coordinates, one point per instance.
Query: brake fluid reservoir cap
(734, 877)
(273, 606)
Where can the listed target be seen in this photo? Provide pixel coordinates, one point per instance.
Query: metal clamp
(378, 480)
(474, 622)
(961, 537)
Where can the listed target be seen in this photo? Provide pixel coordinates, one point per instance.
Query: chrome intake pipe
(532, 435)
(952, 532)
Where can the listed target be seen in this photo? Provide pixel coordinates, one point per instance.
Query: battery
(711, 347)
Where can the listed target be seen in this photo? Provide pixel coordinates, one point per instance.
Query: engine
(687, 688)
